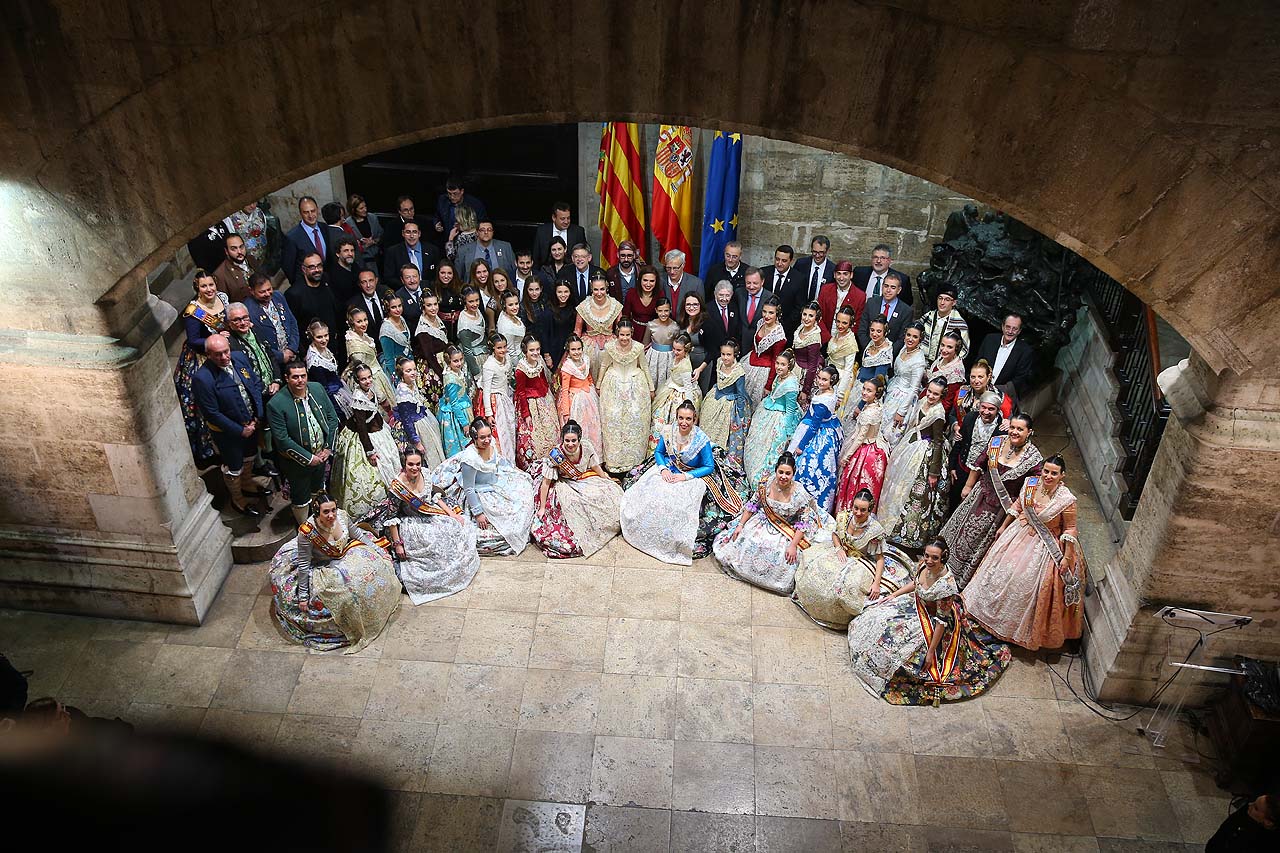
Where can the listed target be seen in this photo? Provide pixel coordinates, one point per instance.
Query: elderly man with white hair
(679, 283)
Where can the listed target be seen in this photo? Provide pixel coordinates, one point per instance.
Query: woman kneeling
(576, 513)
(333, 585)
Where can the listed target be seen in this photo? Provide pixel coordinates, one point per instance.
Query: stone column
(1204, 536)
(101, 510)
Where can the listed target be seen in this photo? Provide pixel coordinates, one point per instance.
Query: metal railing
(1130, 328)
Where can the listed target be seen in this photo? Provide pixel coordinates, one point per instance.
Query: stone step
(254, 540)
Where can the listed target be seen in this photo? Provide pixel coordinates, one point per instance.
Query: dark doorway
(518, 172)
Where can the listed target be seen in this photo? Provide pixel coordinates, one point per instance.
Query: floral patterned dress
(876, 363)
(678, 387)
(454, 413)
(582, 509)
(888, 644)
(200, 324)
(494, 401)
(757, 553)
(537, 421)
(834, 578)
(910, 509)
(901, 393)
(816, 445)
(865, 460)
(577, 399)
(842, 353)
(657, 349)
(953, 373)
(625, 407)
(726, 413)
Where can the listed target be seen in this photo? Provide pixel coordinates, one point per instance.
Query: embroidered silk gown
(357, 482)
(759, 367)
(875, 363)
(842, 353)
(454, 412)
(395, 345)
(807, 345)
(909, 508)
(582, 508)
(494, 400)
(678, 387)
(773, 423)
(440, 556)
(494, 488)
(726, 415)
(419, 424)
(834, 580)
(597, 329)
(362, 350)
(625, 407)
(901, 392)
(200, 324)
(472, 331)
(657, 349)
(578, 400)
(816, 445)
(865, 460)
(537, 421)
(757, 554)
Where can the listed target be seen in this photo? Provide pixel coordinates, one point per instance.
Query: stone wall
(1087, 392)
(790, 193)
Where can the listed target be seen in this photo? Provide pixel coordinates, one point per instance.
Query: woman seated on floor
(576, 513)
(498, 495)
(434, 544)
(333, 585)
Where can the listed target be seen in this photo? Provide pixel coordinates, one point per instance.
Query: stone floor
(620, 704)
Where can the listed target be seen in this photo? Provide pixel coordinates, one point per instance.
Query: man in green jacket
(304, 427)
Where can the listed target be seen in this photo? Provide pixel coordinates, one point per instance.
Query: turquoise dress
(772, 426)
(454, 411)
(395, 345)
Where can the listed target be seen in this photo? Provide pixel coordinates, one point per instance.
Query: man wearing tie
(779, 275)
(723, 323)
(747, 300)
(366, 299)
(871, 278)
(497, 254)
(412, 251)
(888, 307)
(309, 235)
(808, 277)
(679, 283)
(561, 226)
(583, 272)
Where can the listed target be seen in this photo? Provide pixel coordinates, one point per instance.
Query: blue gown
(816, 445)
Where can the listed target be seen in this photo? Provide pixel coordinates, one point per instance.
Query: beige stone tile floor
(620, 704)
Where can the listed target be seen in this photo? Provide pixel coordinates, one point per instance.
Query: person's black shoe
(266, 469)
(250, 510)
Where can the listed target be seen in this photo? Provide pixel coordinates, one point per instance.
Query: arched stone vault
(1142, 135)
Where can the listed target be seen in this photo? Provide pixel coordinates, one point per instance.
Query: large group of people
(426, 405)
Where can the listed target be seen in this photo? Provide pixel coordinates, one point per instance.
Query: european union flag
(720, 213)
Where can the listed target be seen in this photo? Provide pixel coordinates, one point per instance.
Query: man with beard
(622, 276)
(525, 272)
(271, 314)
(232, 275)
(344, 270)
(314, 300)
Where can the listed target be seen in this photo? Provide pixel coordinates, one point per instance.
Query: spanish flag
(618, 185)
(673, 188)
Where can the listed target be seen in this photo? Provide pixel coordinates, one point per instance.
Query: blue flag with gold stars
(720, 212)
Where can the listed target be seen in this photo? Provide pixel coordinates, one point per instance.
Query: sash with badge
(993, 469)
(420, 505)
(1071, 581)
(784, 527)
(567, 469)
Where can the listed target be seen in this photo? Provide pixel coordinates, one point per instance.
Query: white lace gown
(661, 518)
(901, 391)
(498, 403)
(758, 554)
(495, 488)
(513, 331)
(440, 556)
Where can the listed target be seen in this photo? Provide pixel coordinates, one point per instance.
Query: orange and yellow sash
(332, 550)
(785, 527)
(944, 664)
(419, 505)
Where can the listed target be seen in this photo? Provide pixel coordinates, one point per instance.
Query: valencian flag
(673, 188)
(618, 185)
(720, 210)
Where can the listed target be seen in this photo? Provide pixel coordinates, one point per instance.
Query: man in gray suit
(495, 253)
(679, 283)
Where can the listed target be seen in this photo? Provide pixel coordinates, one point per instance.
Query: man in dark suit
(730, 270)
(498, 254)
(455, 195)
(411, 250)
(807, 278)
(778, 276)
(309, 235)
(870, 278)
(229, 397)
(257, 346)
(581, 272)
(624, 276)
(343, 268)
(368, 301)
(1012, 360)
(837, 295)
(560, 226)
(888, 307)
(393, 228)
(232, 275)
(677, 283)
(723, 322)
(747, 301)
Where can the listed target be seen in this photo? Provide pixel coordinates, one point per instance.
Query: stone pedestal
(1204, 536)
(101, 510)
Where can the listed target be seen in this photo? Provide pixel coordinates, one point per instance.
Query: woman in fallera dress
(657, 341)
(877, 358)
(577, 508)
(498, 495)
(1029, 587)
(323, 368)
(205, 315)
(864, 460)
(454, 413)
(494, 399)
(333, 585)
(948, 367)
(913, 502)
(473, 332)
(726, 416)
(842, 354)
(509, 324)
(537, 421)
(774, 421)
(817, 440)
(806, 343)
(362, 349)
(770, 341)
(904, 386)
(673, 508)
(430, 339)
(681, 384)
(420, 428)
(394, 337)
(434, 543)
(597, 317)
(367, 459)
(577, 400)
(992, 487)
(841, 574)
(917, 646)
(626, 400)
(762, 545)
